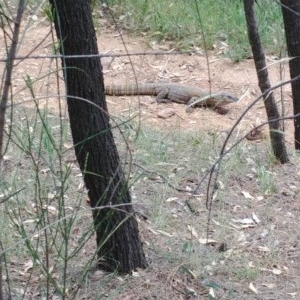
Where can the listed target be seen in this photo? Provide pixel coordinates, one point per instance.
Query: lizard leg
(196, 101)
(190, 106)
(162, 96)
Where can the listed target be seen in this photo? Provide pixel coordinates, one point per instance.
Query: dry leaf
(67, 146)
(80, 186)
(255, 134)
(188, 189)
(50, 196)
(286, 269)
(243, 221)
(51, 209)
(193, 231)
(215, 195)
(248, 226)
(292, 294)
(247, 195)
(235, 226)
(263, 249)
(253, 288)
(251, 265)
(221, 185)
(6, 158)
(255, 218)
(28, 265)
(216, 222)
(236, 207)
(165, 233)
(29, 221)
(45, 171)
(135, 274)
(194, 273)
(264, 233)
(206, 241)
(211, 293)
(152, 230)
(171, 199)
(269, 285)
(276, 271)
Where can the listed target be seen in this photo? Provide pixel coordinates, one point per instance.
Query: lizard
(173, 92)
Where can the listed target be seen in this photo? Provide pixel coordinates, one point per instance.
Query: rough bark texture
(291, 18)
(118, 240)
(277, 137)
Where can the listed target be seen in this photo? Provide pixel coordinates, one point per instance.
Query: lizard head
(226, 98)
(221, 99)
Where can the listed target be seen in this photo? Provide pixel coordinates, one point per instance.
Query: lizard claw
(189, 109)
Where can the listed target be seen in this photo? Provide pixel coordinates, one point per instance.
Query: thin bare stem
(9, 68)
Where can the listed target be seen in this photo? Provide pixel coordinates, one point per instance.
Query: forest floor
(255, 249)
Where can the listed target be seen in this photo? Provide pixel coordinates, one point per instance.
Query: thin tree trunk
(1, 270)
(291, 18)
(277, 137)
(119, 246)
(11, 53)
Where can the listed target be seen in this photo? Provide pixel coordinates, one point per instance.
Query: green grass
(194, 23)
(266, 180)
(190, 23)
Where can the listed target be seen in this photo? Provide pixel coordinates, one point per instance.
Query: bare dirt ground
(223, 75)
(262, 259)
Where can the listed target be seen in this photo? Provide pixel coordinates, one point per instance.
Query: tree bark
(276, 135)
(119, 246)
(291, 18)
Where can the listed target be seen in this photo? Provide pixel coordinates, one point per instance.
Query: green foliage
(266, 180)
(247, 273)
(185, 22)
(37, 203)
(47, 10)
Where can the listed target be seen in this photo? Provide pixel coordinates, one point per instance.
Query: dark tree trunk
(119, 246)
(277, 137)
(291, 18)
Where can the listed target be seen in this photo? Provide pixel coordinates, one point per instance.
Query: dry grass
(254, 253)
